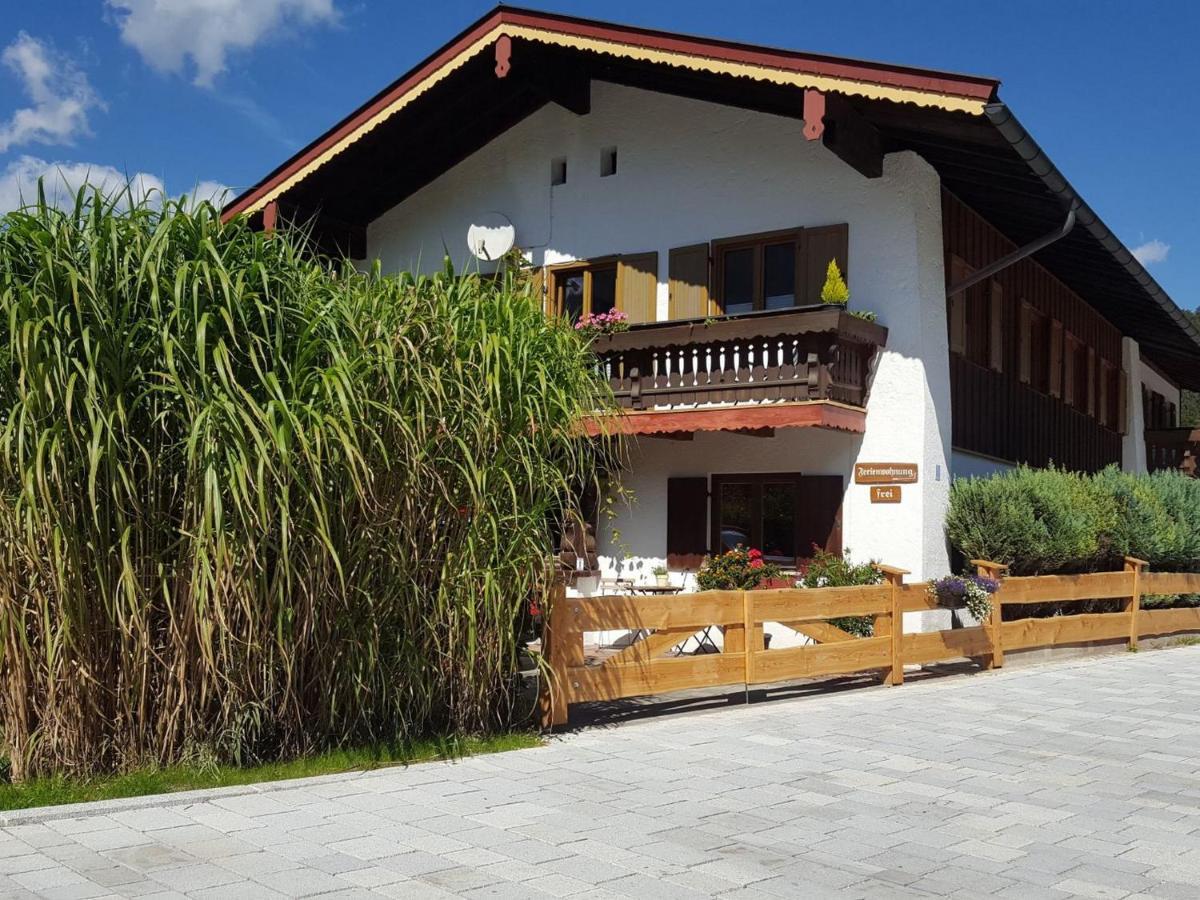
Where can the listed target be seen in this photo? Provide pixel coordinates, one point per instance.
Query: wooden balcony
(1173, 448)
(815, 353)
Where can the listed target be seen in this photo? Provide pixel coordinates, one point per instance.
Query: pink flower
(756, 563)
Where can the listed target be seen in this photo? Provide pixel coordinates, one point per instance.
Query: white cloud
(1151, 252)
(167, 34)
(62, 180)
(59, 91)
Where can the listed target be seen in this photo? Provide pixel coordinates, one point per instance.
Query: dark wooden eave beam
(332, 235)
(566, 84)
(842, 129)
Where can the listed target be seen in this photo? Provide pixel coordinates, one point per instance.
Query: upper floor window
(585, 290)
(776, 269)
(757, 272)
(628, 282)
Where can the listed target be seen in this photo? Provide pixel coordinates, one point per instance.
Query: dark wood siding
(995, 413)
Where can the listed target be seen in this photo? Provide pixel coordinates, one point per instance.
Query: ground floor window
(782, 514)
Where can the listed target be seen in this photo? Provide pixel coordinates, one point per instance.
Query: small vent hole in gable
(558, 171)
(608, 162)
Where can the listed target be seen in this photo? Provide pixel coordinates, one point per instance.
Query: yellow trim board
(870, 90)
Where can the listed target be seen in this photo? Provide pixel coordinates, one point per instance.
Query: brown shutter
(1123, 402)
(1091, 381)
(688, 280)
(817, 247)
(637, 277)
(996, 328)
(1026, 342)
(819, 518)
(1056, 359)
(537, 286)
(687, 522)
(1102, 404)
(956, 307)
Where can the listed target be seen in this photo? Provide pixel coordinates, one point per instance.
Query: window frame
(559, 272)
(758, 479)
(757, 242)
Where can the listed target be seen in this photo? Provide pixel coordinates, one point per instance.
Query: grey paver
(1067, 780)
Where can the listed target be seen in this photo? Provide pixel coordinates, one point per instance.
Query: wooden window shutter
(1090, 387)
(956, 307)
(819, 518)
(817, 247)
(1056, 359)
(996, 328)
(1072, 354)
(537, 287)
(688, 282)
(637, 276)
(1026, 342)
(1102, 404)
(687, 522)
(958, 323)
(1122, 402)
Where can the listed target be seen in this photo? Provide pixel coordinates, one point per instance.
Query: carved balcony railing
(806, 353)
(1173, 448)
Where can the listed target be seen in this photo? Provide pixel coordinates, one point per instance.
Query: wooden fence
(649, 666)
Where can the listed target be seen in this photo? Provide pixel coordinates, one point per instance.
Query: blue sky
(184, 97)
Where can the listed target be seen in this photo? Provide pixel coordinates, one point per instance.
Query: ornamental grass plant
(257, 505)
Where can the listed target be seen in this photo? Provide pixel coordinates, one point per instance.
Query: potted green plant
(835, 291)
(738, 569)
(662, 577)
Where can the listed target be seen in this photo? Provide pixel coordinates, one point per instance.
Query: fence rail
(647, 667)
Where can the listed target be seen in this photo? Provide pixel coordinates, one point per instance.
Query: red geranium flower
(756, 563)
(756, 554)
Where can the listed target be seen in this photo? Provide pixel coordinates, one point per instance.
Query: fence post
(995, 624)
(749, 643)
(893, 623)
(559, 638)
(1135, 565)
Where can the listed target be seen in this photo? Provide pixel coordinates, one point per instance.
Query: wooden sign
(885, 493)
(885, 473)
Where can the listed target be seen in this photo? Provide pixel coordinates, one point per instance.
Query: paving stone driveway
(1076, 779)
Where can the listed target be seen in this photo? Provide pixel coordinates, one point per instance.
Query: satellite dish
(491, 236)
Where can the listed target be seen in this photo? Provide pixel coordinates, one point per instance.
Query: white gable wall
(688, 172)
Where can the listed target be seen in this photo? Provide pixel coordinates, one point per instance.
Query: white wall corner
(1133, 444)
(909, 419)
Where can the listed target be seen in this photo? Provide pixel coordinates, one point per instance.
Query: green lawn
(55, 791)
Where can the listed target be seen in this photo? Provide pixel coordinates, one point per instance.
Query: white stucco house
(702, 187)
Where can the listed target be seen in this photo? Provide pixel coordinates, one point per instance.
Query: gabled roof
(512, 62)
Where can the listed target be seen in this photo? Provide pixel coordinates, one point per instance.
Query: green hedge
(1042, 521)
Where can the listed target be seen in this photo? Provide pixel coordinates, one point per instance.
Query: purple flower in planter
(971, 591)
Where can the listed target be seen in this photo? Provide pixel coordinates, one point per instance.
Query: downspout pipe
(1027, 148)
(1017, 255)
